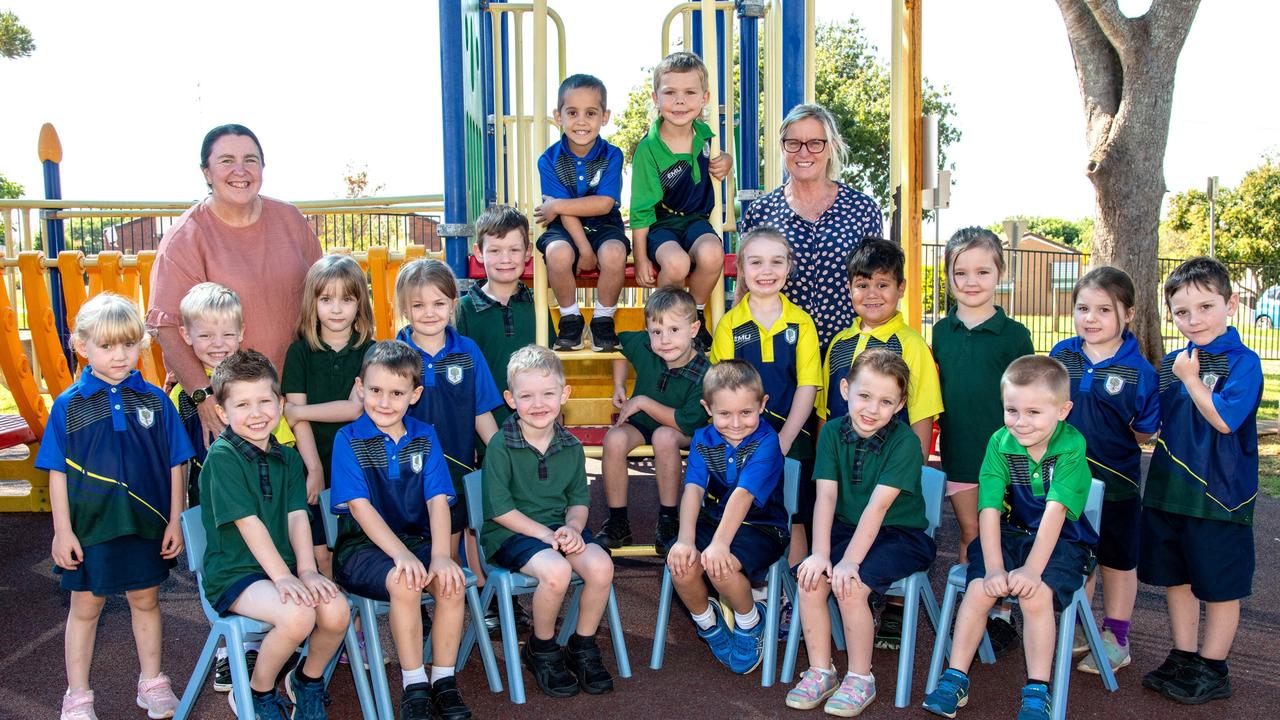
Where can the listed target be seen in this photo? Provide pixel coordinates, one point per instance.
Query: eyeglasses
(814, 146)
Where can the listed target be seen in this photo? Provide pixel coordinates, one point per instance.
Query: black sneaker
(222, 675)
(889, 631)
(569, 336)
(523, 621)
(493, 623)
(614, 533)
(549, 671)
(1159, 678)
(585, 663)
(603, 336)
(1196, 683)
(446, 700)
(1004, 636)
(702, 341)
(665, 534)
(415, 703)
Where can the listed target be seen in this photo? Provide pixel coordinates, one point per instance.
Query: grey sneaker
(1117, 654)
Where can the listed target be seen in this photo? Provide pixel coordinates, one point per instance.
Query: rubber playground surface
(690, 685)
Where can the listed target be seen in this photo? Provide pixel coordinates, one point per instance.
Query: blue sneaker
(951, 693)
(748, 646)
(308, 698)
(268, 707)
(1035, 702)
(717, 636)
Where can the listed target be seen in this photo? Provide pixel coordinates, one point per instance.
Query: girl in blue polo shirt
(458, 391)
(114, 448)
(1116, 406)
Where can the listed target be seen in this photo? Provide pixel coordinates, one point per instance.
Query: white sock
(416, 675)
(602, 311)
(748, 621)
(867, 678)
(570, 310)
(702, 307)
(439, 672)
(705, 619)
(1003, 612)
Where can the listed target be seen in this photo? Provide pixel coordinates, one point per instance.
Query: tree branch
(1099, 70)
(1170, 23)
(1113, 23)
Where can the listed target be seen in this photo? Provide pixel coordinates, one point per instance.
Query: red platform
(14, 431)
(588, 278)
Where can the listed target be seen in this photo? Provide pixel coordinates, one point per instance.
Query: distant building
(134, 236)
(1038, 279)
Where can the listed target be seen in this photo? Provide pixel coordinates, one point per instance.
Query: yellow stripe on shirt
(96, 476)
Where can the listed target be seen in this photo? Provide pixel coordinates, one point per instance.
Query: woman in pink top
(259, 247)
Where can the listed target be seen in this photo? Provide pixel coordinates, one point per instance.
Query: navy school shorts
(458, 520)
(315, 516)
(1063, 574)
(1214, 557)
(516, 550)
(117, 566)
(685, 237)
(756, 548)
(365, 572)
(1118, 541)
(596, 236)
(895, 553)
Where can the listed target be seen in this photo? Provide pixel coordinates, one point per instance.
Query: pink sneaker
(78, 705)
(157, 698)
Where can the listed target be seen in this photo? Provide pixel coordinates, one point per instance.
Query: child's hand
(785, 441)
(811, 571)
(409, 570)
(171, 545)
(545, 213)
(718, 561)
(629, 408)
(681, 557)
(1187, 366)
(291, 588)
(321, 588)
(996, 583)
(551, 539)
(67, 553)
(720, 166)
(315, 485)
(645, 276)
(619, 395)
(449, 576)
(1023, 583)
(587, 259)
(570, 540)
(844, 578)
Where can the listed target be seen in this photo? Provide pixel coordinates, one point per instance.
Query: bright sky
(132, 87)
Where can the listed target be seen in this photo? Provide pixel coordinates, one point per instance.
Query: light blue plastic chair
(1077, 610)
(914, 590)
(779, 577)
(504, 585)
(369, 610)
(234, 630)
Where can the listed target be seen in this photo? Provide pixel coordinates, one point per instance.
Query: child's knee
(596, 567)
(334, 615)
(86, 606)
(674, 261)
(559, 256)
(554, 575)
(298, 623)
(667, 439)
(612, 254)
(400, 592)
(707, 252)
(147, 600)
(617, 441)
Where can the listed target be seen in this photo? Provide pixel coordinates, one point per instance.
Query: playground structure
(496, 84)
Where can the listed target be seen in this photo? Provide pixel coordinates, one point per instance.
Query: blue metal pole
(54, 243)
(455, 229)
(695, 47)
(506, 92)
(793, 50)
(726, 71)
(749, 107)
(486, 88)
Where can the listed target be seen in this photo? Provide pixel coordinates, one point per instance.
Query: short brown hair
(498, 220)
(969, 238)
(670, 299)
(732, 374)
(1032, 369)
(243, 366)
(883, 362)
(680, 62)
(396, 358)
(1203, 272)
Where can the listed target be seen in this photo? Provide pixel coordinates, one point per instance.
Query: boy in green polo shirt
(259, 561)
(664, 410)
(1032, 543)
(535, 509)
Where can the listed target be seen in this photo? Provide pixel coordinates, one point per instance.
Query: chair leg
(364, 691)
(191, 693)
(373, 650)
(794, 630)
(986, 653)
(942, 637)
(510, 641)
(619, 640)
(772, 612)
(426, 637)
(930, 603)
(660, 627)
(837, 622)
(239, 674)
(1095, 640)
(1062, 661)
(570, 623)
(478, 634)
(907, 648)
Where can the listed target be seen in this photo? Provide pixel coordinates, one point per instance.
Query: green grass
(1269, 465)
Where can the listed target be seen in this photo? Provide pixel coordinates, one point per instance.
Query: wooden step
(589, 278)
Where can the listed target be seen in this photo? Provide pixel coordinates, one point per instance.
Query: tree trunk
(1126, 68)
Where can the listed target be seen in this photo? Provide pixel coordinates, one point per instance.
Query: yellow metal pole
(540, 294)
(810, 39)
(906, 145)
(711, 57)
(522, 142)
(731, 186)
(499, 110)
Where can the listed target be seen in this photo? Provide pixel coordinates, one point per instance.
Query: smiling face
(875, 298)
(504, 256)
(1201, 313)
(671, 337)
(874, 399)
(386, 396)
(429, 311)
(735, 412)
(1099, 319)
(680, 97)
(336, 308)
(111, 362)
(251, 409)
(213, 338)
(1031, 413)
(804, 165)
(580, 116)
(536, 396)
(974, 276)
(234, 171)
(764, 264)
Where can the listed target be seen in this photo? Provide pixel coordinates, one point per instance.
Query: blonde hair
(346, 271)
(732, 374)
(835, 143)
(534, 358)
(766, 232)
(680, 62)
(108, 319)
(421, 273)
(209, 300)
(1032, 369)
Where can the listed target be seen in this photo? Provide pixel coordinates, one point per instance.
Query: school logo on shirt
(453, 374)
(1210, 380)
(595, 179)
(415, 462)
(1114, 384)
(146, 417)
(791, 335)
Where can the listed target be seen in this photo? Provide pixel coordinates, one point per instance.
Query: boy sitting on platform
(392, 491)
(581, 179)
(535, 509)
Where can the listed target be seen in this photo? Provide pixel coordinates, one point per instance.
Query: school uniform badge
(1114, 384)
(146, 417)
(1210, 380)
(595, 179)
(415, 462)
(791, 335)
(453, 374)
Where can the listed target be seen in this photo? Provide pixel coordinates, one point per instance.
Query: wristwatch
(200, 394)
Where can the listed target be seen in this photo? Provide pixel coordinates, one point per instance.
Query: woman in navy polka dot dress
(823, 219)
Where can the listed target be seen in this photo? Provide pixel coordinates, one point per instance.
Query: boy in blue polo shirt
(581, 179)
(1197, 519)
(733, 522)
(1032, 543)
(392, 492)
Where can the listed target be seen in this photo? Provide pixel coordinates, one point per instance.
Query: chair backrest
(932, 484)
(193, 538)
(475, 510)
(1093, 506)
(790, 485)
(330, 520)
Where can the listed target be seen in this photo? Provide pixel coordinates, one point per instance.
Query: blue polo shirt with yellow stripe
(456, 387)
(397, 477)
(1111, 400)
(117, 445)
(785, 354)
(1196, 470)
(924, 395)
(754, 464)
